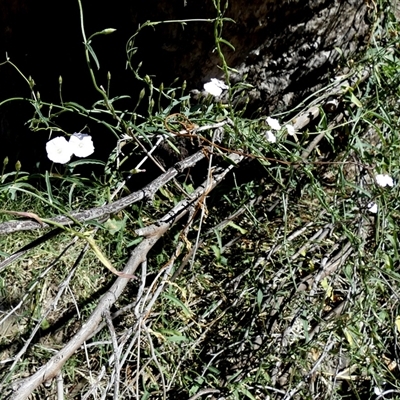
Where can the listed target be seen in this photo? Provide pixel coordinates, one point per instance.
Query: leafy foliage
(279, 284)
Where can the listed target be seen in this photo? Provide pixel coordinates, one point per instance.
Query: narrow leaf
(227, 43)
(355, 101)
(24, 214)
(178, 303)
(237, 227)
(104, 260)
(93, 54)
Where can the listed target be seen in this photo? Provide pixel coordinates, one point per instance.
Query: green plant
(262, 272)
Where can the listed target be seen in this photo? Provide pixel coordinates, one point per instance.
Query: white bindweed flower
(273, 123)
(215, 87)
(372, 207)
(270, 137)
(81, 144)
(290, 130)
(384, 180)
(59, 150)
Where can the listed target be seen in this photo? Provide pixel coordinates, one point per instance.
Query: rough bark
(278, 44)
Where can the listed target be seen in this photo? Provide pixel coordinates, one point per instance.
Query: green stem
(218, 25)
(87, 44)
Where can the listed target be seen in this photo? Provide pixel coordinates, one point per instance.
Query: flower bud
(31, 82)
(108, 31)
(151, 105)
(60, 80)
(18, 166)
(5, 161)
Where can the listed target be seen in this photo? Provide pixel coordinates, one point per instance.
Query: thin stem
(87, 44)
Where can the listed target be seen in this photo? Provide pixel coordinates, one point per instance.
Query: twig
(114, 342)
(23, 388)
(60, 386)
(52, 307)
(154, 357)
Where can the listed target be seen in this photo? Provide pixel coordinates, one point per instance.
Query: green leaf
(134, 242)
(246, 392)
(339, 50)
(102, 258)
(178, 303)
(237, 227)
(165, 192)
(260, 296)
(115, 225)
(9, 174)
(355, 101)
(177, 339)
(173, 147)
(93, 54)
(48, 187)
(188, 187)
(45, 324)
(227, 19)
(75, 106)
(229, 160)
(216, 250)
(227, 43)
(86, 161)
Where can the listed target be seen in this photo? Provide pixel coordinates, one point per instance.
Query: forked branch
(23, 388)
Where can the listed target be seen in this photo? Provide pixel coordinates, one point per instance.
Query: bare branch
(23, 388)
(99, 213)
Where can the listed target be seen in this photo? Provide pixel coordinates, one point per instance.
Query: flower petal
(212, 88)
(270, 137)
(219, 83)
(273, 123)
(372, 207)
(59, 150)
(81, 144)
(290, 130)
(384, 180)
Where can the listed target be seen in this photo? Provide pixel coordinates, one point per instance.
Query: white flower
(273, 123)
(81, 144)
(372, 207)
(290, 130)
(215, 87)
(59, 150)
(270, 137)
(384, 180)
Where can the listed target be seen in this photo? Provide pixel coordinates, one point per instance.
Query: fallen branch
(24, 387)
(100, 213)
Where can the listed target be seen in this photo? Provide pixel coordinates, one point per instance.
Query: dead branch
(24, 387)
(99, 213)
